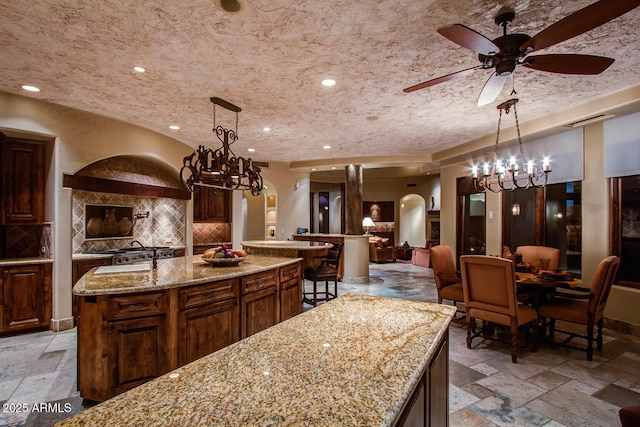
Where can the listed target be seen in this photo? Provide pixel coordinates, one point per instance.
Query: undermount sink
(127, 268)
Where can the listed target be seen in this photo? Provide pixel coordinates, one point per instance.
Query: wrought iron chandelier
(221, 168)
(516, 172)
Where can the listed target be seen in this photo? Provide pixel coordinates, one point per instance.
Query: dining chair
(325, 272)
(489, 285)
(584, 308)
(533, 254)
(448, 280)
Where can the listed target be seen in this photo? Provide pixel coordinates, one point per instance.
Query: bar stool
(325, 272)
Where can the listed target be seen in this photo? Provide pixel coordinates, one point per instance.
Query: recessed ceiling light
(251, 150)
(328, 82)
(139, 69)
(266, 129)
(174, 127)
(326, 147)
(333, 167)
(313, 169)
(31, 88)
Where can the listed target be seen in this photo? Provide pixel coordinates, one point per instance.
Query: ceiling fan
(506, 52)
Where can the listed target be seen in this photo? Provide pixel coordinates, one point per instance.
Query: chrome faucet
(154, 258)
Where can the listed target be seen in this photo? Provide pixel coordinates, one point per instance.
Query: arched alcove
(260, 213)
(412, 220)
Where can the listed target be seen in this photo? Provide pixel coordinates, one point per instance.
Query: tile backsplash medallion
(166, 221)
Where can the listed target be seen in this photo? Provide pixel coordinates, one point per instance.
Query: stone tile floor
(552, 387)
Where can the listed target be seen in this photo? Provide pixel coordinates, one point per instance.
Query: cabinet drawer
(210, 292)
(289, 272)
(258, 281)
(140, 305)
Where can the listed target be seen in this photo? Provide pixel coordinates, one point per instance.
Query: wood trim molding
(104, 185)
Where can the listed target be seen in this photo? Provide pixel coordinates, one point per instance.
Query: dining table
(533, 288)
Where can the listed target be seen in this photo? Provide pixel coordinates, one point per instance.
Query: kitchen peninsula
(356, 360)
(135, 323)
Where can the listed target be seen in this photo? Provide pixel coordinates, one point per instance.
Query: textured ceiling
(270, 57)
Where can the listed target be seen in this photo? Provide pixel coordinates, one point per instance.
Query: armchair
(448, 282)
(380, 250)
(586, 308)
(422, 256)
(489, 285)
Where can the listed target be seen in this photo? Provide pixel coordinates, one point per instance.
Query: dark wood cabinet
(260, 302)
(208, 319)
(210, 205)
(125, 340)
(290, 291)
(23, 180)
(26, 297)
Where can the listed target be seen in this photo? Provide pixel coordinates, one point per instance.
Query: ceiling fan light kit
(505, 53)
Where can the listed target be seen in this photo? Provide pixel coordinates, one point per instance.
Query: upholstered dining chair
(326, 272)
(448, 281)
(533, 254)
(584, 308)
(489, 285)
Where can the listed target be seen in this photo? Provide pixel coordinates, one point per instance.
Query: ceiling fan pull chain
(495, 153)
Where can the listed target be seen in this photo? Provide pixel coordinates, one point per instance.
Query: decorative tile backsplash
(205, 233)
(166, 221)
(29, 240)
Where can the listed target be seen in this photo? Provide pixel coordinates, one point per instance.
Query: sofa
(381, 250)
(421, 256)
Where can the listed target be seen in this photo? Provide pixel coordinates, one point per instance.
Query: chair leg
(552, 327)
(514, 342)
(471, 330)
(535, 336)
(590, 341)
(599, 339)
(315, 293)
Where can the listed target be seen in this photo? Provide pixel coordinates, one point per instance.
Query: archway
(412, 220)
(259, 213)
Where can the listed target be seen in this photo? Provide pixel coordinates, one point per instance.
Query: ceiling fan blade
(442, 79)
(579, 22)
(471, 39)
(491, 89)
(569, 64)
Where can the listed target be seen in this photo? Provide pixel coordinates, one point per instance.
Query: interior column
(353, 220)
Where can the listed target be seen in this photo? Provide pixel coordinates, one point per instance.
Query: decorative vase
(110, 223)
(125, 225)
(95, 227)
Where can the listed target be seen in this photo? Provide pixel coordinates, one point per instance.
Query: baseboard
(623, 327)
(59, 325)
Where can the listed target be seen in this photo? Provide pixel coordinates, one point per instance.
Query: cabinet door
(205, 329)
(210, 205)
(79, 269)
(27, 297)
(136, 351)
(290, 299)
(23, 182)
(259, 310)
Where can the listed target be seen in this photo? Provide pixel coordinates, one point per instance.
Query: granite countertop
(351, 361)
(173, 272)
(283, 244)
(29, 260)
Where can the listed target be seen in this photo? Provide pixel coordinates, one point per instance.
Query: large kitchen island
(356, 360)
(136, 323)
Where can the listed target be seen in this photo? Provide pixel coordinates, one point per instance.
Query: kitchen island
(356, 360)
(134, 326)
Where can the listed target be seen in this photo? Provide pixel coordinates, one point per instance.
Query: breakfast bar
(356, 360)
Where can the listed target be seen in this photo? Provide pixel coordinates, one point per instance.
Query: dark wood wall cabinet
(23, 181)
(210, 205)
(25, 298)
(125, 340)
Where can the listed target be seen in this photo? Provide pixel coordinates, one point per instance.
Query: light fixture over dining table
(520, 172)
(220, 168)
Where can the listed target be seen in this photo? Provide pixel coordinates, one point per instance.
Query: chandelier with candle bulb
(517, 172)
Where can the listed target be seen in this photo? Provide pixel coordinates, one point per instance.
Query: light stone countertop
(172, 273)
(22, 261)
(351, 361)
(283, 244)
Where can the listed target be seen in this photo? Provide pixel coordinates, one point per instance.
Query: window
(625, 238)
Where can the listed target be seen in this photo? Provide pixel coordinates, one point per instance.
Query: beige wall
(623, 302)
